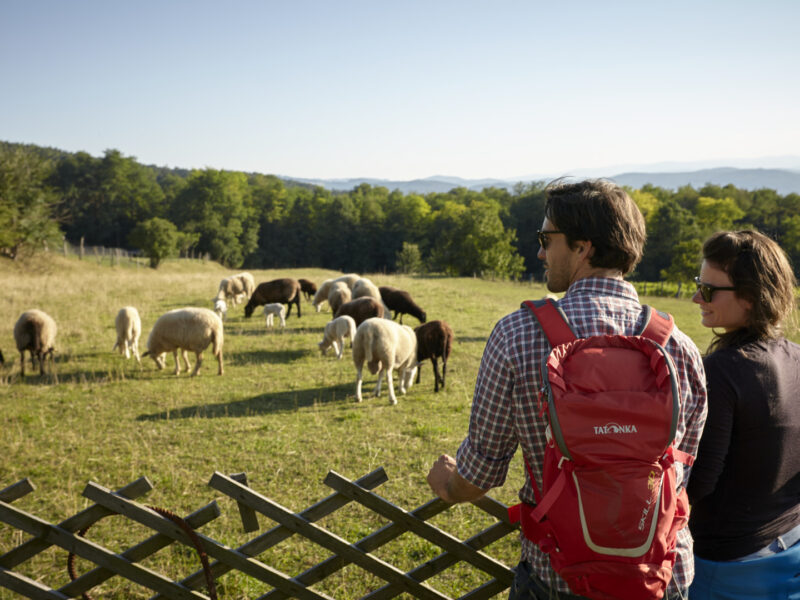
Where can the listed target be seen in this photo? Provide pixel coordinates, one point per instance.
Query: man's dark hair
(603, 213)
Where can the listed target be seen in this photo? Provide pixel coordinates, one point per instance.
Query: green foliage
(409, 259)
(27, 203)
(157, 238)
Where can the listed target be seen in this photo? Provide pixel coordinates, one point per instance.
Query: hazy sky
(400, 90)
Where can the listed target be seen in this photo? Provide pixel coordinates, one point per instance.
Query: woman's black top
(745, 484)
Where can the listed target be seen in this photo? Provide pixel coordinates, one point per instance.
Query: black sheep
(401, 303)
(434, 340)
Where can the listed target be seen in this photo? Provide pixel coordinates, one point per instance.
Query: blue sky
(401, 90)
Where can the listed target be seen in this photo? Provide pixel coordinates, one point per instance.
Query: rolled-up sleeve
(486, 452)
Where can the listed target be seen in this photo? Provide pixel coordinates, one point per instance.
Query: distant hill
(783, 181)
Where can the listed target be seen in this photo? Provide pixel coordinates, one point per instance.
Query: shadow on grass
(263, 404)
(269, 356)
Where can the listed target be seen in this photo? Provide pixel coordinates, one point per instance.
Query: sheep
(35, 331)
(434, 340)
(338, 295)
(272, 309)
(221, 308)
(335, 332)
(364, 287)
(129, 328)
(385, 345)
(231, 288)
(361, 309)
(286, 291)
(248, 283)
(186, 329)
(324, 289)
(401, 303)
(309, 288)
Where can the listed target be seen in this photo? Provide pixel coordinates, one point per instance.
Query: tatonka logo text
(614, 428)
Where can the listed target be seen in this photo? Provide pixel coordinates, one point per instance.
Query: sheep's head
(423, 318)
(248, 310)
(157, 358)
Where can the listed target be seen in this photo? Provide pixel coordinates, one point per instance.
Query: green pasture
(281, 413)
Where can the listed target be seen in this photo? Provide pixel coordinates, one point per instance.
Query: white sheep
(186, 329)
(335, 333)
(220, 307)
(321, 296)
(365, 288)
(248, 283)
(272, 309)
(385, 345)
(129, 328)
(35, 331)
(339, 294)
(234, 288)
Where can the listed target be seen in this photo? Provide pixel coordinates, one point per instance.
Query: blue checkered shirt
(504, 407)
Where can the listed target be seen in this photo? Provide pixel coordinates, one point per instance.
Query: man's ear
(585, 249)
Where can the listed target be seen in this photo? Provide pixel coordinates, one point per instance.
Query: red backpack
(608, 512)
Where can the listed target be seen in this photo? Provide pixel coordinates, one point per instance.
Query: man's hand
(448, 484)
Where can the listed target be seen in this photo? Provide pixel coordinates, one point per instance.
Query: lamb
(434, 340)
(335, 332)
(272, 309)
(401, 303)
(285, 291)
(361, 309)
(186, 329)
(220, 307)
(338, 295)
(35, 331)
(309, 288)
(129, 328)
(385, 345)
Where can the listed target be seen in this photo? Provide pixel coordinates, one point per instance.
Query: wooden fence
(168, 528)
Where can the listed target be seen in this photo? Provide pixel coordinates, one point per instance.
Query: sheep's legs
(177, 362)
(219, 360)
(196, 364)
(436, 377)
(337, 349)
(359, 379)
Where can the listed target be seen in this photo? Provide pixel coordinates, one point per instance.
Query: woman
(745, 484)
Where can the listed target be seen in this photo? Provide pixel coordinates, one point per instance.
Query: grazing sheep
(364, 287)
(309, 288)
(221, 308)
(401, 303)
(285, 290)
(361, 309)
(338, 295)
(186, 329)
(129, 328)
(232, 289)
(335, 332)
(385, 345)
(434, 340)
(248, 283)
(272, 309)
(35, 331)
(324, 289)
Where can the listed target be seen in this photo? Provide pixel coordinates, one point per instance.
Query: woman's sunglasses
(707, 290)
(542, 234)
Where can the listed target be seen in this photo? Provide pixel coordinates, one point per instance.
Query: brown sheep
(361, 309)
(285, 291)
(309, 288)
(401, 303)
(35, 331)
(434, 340)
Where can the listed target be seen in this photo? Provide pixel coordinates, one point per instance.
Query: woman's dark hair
(603, 213)
(760, 271)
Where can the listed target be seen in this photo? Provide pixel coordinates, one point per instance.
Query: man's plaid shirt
(504, 408)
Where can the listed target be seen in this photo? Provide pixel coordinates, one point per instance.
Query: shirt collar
(604, 286)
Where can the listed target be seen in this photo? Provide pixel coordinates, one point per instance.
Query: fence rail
(168, 529)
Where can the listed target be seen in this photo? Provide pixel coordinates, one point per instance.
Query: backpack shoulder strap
(552, 320)
(657, 325)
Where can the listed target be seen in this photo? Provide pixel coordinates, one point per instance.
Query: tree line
(251, 220)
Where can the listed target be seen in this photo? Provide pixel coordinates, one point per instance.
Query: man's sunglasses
(542, 236)
(707, 290)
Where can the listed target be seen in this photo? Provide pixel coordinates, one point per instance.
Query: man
(593, 234)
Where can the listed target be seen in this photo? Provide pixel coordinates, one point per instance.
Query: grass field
(281, 413)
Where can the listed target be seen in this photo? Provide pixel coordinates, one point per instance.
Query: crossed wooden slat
(243, 559)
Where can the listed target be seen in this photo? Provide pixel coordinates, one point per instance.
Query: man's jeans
(527, 586)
